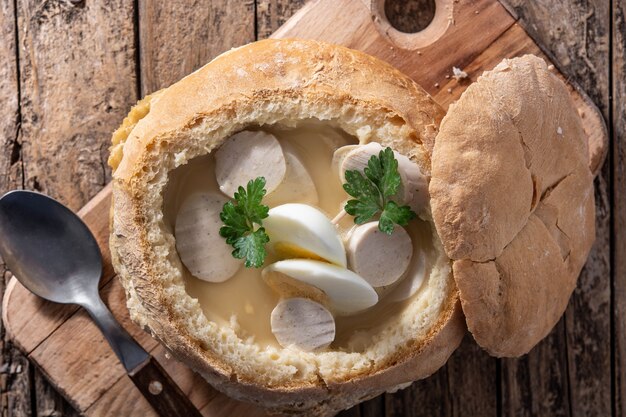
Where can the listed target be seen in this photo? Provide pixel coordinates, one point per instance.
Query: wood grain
(618, 202)
(537, 384)
(77, 82)
(272, 14)
(61, 356)
(15, 370)
(425, 398)
(582, 339)
(10, 118)
(575, 34)
(177, 37)
(473, 382)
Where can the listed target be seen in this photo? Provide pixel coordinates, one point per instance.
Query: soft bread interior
(193, 118)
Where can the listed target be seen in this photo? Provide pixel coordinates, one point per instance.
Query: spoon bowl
(54, 255)
(49, 249)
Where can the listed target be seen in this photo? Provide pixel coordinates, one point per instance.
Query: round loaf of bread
(275, 82)
(512, 196)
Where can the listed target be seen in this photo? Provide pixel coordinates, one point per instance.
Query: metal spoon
(54, 255)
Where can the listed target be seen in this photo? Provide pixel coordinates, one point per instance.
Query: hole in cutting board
(412, 24)
(410, 16)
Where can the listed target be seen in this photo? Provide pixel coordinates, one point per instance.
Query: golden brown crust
(265, 83)
(512, 199)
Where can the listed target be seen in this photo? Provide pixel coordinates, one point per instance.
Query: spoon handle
(157, 387)
(130, 353)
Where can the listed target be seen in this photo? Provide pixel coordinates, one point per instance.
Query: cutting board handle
(161, 391)
(443, 19)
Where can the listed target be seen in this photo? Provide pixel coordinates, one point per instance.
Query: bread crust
(512, 199)
(272, 81)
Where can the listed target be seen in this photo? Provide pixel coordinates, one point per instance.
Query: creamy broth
(245, 296)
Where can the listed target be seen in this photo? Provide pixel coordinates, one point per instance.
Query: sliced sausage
(413, 280)
(200, 247)
(246, 156)
(302, 323)
(297, 186)
(379, 258)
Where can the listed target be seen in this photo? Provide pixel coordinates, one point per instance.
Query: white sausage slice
(346, 292)
(412, 282)
(414, 188)
(297, 186)
(338, 157)
(200, 247)
(247, 155)
(302, 323)
(379, 258)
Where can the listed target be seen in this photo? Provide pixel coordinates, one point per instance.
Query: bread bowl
(307, 89)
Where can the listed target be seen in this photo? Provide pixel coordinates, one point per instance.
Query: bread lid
(513, 202)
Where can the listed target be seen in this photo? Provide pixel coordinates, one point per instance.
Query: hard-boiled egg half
(346, 292)
(302, 231)
(314, 254)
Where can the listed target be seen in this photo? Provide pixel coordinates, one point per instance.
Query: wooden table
(70, 70)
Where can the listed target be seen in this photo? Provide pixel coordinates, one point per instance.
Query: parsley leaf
(393, 213)
(383, 172)
(251, 247)
(239, 219)
(372, 193)
(368, 198)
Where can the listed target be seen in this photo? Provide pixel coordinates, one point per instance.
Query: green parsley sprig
(243, 223)
(373, 191)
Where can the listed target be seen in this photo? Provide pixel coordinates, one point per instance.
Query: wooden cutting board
(61, 340)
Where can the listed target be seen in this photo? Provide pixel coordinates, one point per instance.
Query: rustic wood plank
(61, 355)
(587, 318)
(575, 34)
(351, 412)
(272, 14)
(15, 370)
(472, 378)
(121, 397)
(374, 407)
(15, 381)
(466, 386)
(581, 51)
(10, 155)
(48, 402)
(177, 37)
(618, 89)
(429, 397)
(537, 384)
(77, 82)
